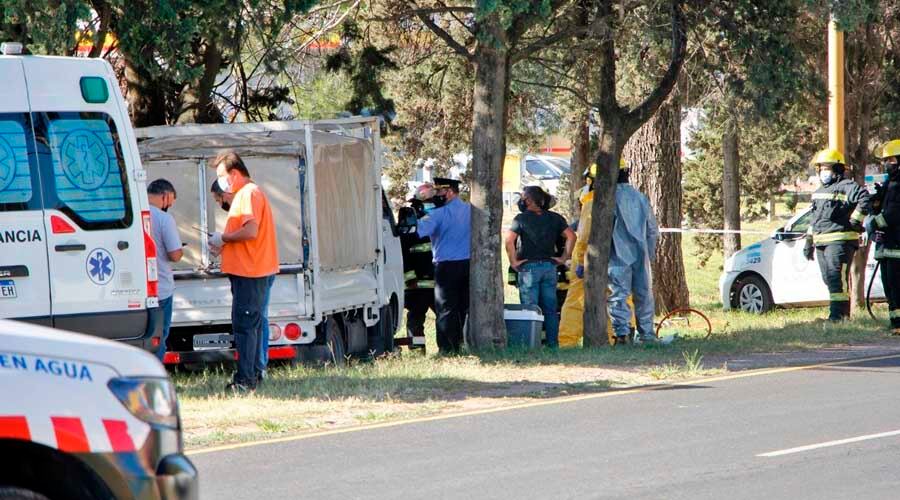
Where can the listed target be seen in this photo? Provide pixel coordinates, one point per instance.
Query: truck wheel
(388, 328)
(752, 295)
(334, 342)
(13, 493)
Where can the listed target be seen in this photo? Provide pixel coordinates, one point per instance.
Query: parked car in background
(544, 171)
(774, 273)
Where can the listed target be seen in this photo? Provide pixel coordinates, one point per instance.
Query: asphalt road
(695, 441)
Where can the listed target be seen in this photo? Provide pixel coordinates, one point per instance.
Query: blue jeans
(165, 314)
(247, 295)
(537, 286)
(264, 333)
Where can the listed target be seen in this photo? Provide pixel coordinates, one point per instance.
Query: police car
(82, 417)
(75, 245)
(774, 273)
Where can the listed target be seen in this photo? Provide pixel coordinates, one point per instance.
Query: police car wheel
(13, 493)
(752, 295)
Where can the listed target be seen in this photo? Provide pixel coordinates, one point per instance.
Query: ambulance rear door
(24, 277)
(97, 255)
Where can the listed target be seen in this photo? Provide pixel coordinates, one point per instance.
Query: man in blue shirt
(449, 226)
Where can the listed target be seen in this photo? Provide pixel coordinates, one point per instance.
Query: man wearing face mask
(838, 209)
(418, 270)
(449, 226)
(885, 230)
(249, 251)
(221, 198)
(536, 231)
(161, 195)
(224, 199)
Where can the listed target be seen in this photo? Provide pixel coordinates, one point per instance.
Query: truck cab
(75, 247)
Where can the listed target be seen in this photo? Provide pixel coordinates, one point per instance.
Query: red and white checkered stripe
(72, 434)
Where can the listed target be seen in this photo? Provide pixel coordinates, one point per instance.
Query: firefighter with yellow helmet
(884, 226)
(838, 210)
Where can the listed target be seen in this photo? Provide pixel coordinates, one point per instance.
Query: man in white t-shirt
(161, 194)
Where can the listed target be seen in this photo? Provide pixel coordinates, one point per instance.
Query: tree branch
(446, 37)
(643, 111)
(576, 94)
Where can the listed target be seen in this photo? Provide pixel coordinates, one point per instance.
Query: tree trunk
(486, 327)
(616, 124)
(731, 186)
(145, 96)
(654, 157)
(596, 272)
(196, 98)
(581, 159)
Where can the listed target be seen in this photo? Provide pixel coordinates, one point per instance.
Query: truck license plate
(212, 341)
(7, 289)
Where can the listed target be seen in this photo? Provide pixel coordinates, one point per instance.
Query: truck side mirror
(779, 234)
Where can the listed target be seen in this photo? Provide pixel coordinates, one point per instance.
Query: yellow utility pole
(836, 88)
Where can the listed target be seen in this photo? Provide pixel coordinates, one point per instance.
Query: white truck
(339, 291)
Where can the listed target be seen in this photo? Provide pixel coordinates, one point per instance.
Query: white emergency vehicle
(339, 291)
(75, 248)
(774, 272)
(82, 417)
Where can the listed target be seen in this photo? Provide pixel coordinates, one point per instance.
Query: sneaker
(236, 388)
(261, 377)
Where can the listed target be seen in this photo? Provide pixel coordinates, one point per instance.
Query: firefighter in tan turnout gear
(838, 209)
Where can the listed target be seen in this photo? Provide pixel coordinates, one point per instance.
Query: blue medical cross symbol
(100, 266)
(86, 161)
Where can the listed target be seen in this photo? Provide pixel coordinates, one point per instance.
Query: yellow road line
(533, 404)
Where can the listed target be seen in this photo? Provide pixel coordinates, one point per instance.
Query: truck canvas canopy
(340, 183)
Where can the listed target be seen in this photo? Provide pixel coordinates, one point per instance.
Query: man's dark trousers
(834, 264)
(451, 298)
(418, 302)
(890, 281)
(247, 300)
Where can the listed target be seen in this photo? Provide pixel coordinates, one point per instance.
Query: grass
(304, 398)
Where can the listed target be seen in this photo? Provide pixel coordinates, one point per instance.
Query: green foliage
(775, 154)
(44, 26)
(364, 64)
(324, 96)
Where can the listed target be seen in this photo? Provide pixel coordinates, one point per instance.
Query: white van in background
(75, 248)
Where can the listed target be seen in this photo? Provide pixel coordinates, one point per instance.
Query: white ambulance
(75, 247)
(82, 417)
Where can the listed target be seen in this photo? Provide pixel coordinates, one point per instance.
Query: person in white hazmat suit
(634, 239)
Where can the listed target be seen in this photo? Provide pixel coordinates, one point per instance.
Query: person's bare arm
(175, 255)
(511, 237)
(570, 245)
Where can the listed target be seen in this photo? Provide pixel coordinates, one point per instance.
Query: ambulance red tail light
(292, 331)
(150, 252)
(274, 332)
